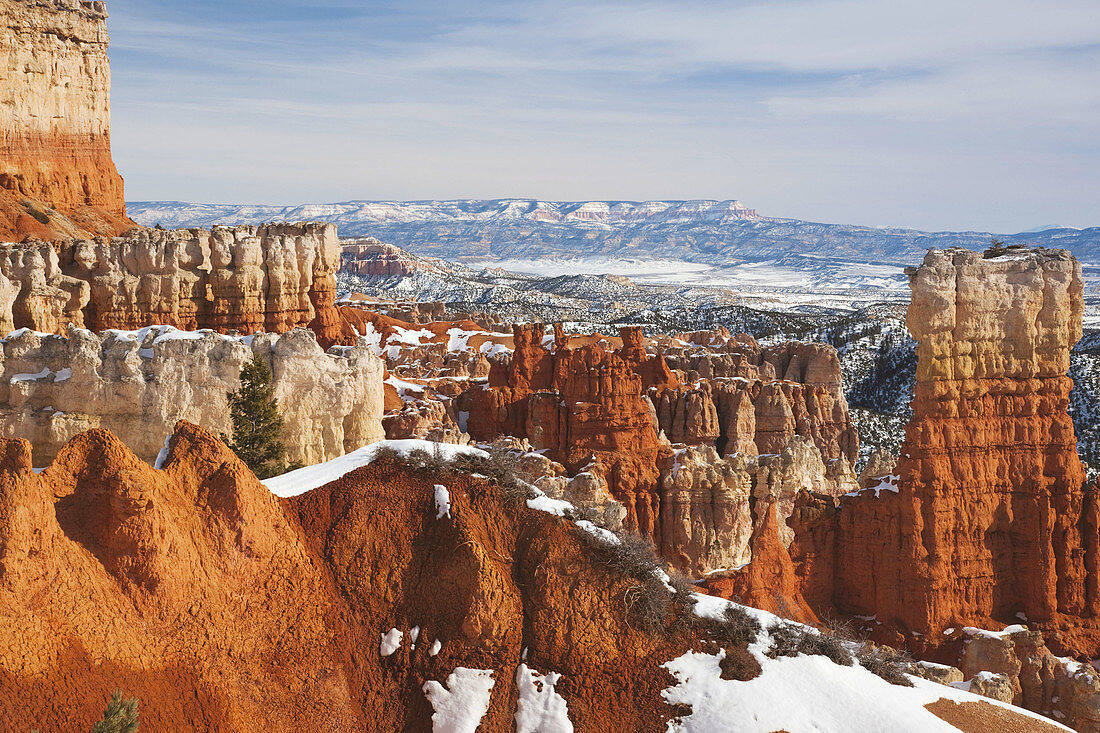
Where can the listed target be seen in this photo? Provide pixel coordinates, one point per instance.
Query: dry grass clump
(888, 663)
(840, 645)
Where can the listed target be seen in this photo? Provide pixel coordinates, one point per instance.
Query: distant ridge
(715, 232)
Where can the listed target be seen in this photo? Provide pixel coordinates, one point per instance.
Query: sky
(938, 114)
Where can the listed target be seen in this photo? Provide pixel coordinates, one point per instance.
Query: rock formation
(987, 521)
(744, 398)
(139, 384)
(583, 405)
(358, 605)
(220, 607)
(273, 278)
(589, 407)
(57, 178)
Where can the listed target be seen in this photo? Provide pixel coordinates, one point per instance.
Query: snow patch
(31, 377)
(312, 477)
(460, 706)
(162, 456)
(442, 502)
(803, 693)
(540, 708)
(391, 642)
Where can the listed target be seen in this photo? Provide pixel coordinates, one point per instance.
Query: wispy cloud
(976, 114)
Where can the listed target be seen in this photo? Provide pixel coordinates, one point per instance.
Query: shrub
(736, 628)
(888, 663)
(632, 555)
(648, 604)
(386, 452)
(120, 716)
(790, 640)
(40, 216)
(433, 460)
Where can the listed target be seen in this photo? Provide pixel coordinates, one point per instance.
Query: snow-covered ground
(745, 278)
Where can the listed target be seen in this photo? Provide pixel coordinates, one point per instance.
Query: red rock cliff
(57, 177)
(989, 518)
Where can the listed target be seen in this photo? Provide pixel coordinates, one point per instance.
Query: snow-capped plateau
(719, 233)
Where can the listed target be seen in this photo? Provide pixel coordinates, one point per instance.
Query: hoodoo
(57, 178)
(271, 278)
(987, 521)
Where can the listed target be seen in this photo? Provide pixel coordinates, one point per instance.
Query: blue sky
(939, 114)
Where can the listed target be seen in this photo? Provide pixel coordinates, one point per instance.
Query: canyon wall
(57, 178)
(140, 383)
(987, 520)
(272, 277)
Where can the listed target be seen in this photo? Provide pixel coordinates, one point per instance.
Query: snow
(414, 634)
(404, 388)
(373, 338)
(543, 503)
(31, 377)
(63, 374)
(312, 477)
(409, 337)
(459, 340)
(1007, 631)
(886, 483)
(540, 709)
(803, 693)
(391, 642)
(162, 457)
(442, 502)
(23, 331)
(434, 648)
(460, 706)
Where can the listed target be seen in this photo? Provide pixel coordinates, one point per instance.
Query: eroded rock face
(272, 278)
(706, 520)
(139, 384)
(585, 405)
(988, 517)
(1016, 666)
(57, 178)
(757, 416)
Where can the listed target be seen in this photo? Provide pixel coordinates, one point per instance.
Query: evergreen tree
(257, 425)
(120, 716)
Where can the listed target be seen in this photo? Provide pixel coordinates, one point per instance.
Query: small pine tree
(120, 716)
(257, 425)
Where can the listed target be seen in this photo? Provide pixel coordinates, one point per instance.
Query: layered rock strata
(140, 383)
(273, 278)
(57, 178)
(987, 520)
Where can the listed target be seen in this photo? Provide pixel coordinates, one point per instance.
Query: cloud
(799, 107)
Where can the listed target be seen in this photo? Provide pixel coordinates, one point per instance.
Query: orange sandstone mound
(224, 608)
